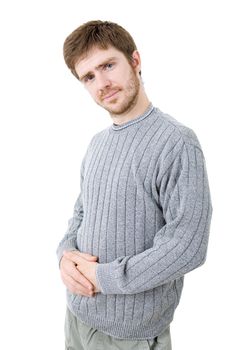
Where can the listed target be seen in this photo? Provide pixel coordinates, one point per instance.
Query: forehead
(96, 57)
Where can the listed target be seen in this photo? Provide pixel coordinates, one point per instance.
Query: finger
(80, 278)
(74, 257)
(86, 256)
(76, 288)
(68, 268)
(76, 282)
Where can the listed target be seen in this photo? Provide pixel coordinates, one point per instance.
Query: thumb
(84, 256)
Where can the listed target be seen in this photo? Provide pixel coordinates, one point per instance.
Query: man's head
(101, 34)
(104, 57)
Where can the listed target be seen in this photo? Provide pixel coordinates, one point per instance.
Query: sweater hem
(127, 331)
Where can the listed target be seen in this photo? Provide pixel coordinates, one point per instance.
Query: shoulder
(178, 132)
(98, 137)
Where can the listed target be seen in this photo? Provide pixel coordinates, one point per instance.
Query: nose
(102, 82)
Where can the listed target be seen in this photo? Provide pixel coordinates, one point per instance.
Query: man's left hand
(87, 268)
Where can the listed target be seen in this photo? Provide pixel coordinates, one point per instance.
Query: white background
(47, 120)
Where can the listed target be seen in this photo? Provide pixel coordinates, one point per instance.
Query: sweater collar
(135, 120)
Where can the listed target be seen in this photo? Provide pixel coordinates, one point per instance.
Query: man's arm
(72, 278)
(69, 241)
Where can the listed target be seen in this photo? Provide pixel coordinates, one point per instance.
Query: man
(141, 221)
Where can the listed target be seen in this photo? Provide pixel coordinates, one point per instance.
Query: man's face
(111, 80)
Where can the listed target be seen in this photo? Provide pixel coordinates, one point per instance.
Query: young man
(141, 221)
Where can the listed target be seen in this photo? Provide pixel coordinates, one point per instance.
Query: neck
(138, 109)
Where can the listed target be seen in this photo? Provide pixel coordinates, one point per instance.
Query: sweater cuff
(67, 245)
(106, 278)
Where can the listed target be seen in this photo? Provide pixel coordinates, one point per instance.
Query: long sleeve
(181, 244)
(69, 241)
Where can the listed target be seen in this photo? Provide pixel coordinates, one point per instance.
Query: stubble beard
(131, 92)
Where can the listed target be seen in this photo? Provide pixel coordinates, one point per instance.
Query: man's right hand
(75, 282)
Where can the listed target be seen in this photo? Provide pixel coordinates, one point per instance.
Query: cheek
(93, 92)
(122, 78)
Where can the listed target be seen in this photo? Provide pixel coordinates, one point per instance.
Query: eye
(88, 78)
(108, 66)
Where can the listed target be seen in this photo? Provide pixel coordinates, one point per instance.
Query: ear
(136, 61)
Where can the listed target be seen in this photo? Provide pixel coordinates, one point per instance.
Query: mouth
(110, 95)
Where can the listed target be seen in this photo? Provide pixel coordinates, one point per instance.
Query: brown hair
(96, 34)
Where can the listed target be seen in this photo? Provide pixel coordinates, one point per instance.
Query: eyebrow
(98, 67)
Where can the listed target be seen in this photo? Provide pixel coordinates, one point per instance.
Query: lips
(110, 95)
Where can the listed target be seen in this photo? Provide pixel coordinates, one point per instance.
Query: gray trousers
(79, 336)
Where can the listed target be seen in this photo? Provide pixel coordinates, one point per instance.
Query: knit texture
(144, 209)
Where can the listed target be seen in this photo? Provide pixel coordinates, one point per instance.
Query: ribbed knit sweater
(144, 209)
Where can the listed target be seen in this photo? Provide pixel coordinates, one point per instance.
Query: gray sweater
(144, 209)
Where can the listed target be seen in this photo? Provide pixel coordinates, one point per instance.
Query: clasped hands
(78, 273)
